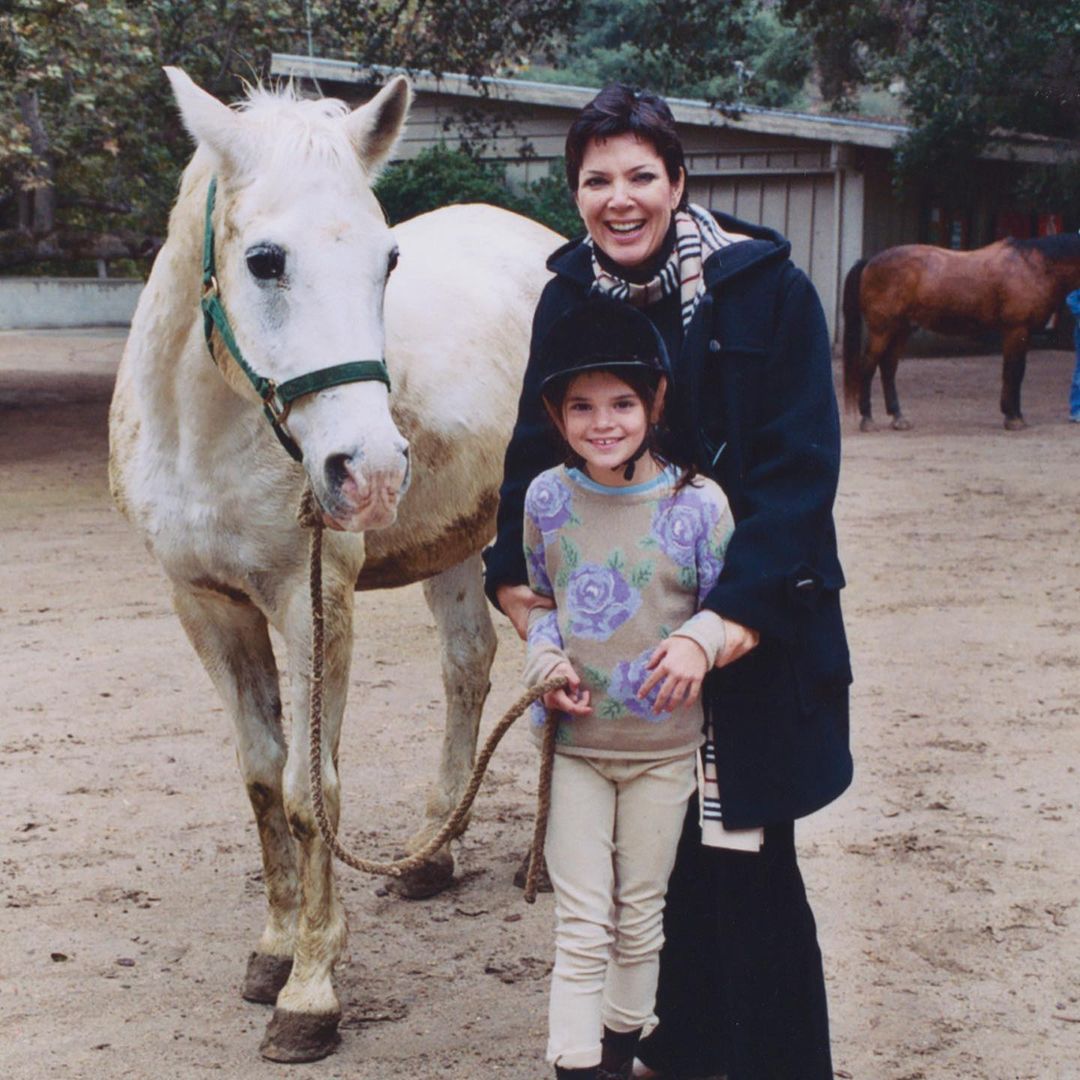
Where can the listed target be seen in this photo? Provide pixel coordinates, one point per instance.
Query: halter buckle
(275, 404)
(211, 289)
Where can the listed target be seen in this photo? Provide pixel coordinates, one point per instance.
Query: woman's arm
(530, 451)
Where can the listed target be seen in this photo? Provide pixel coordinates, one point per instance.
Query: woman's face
(626, 198)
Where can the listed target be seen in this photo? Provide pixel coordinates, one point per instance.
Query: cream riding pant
(612, 833)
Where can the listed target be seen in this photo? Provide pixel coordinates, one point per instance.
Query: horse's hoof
(543, 882)
(867, 424)
(265, 977)
(1015, 423)
(901, 423)
(429, 878)
(294, 1037)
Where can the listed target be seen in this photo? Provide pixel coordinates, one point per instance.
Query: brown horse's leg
(882, 351)
(876, 342)
(1012, 375)
(889, 363)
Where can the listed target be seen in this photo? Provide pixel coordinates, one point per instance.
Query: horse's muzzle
(359, 495)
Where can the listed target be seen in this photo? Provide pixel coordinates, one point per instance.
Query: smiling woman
(626, 198)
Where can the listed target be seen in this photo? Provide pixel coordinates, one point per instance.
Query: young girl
(627, 546)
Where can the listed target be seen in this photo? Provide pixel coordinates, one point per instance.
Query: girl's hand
(573, 699)
(516, 601)
(681, 663)
(738, 641)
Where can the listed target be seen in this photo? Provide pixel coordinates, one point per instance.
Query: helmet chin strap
(628, 466)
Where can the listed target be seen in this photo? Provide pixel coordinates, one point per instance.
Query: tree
(90, 144)
(727, 51)
(976, 70)
(968, 68)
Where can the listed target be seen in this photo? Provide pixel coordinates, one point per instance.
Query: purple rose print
(627, 679)
(599, 601)
(548, 502)
(538, 575)
(709, 565)
(546, 629)
(679, 521)
(538, 718)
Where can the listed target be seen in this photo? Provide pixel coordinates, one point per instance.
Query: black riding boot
(588, 1073)
(619, 1048)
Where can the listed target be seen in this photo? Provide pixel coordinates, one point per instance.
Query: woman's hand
(738, 641)
(516, 601)
(681, 663)
(572, 699)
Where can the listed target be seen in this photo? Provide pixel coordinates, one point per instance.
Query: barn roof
(881, 134)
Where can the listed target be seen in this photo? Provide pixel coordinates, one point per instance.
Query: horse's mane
(1061, 246)
(297, 127)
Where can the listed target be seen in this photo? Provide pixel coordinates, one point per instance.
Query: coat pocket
(820, 658)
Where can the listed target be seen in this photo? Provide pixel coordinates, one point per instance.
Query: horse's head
(301, 257)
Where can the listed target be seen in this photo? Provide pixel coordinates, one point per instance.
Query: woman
(752, 403)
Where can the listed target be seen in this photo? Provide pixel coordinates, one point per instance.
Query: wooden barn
(823, 181)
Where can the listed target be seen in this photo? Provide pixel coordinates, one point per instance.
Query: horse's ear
(374, 128)
(209, 122)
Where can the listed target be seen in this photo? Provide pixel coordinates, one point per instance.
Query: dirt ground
(945, 882)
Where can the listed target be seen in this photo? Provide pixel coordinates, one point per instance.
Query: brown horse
(1011, 286)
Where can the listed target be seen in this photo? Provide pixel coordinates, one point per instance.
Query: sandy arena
(946, 882)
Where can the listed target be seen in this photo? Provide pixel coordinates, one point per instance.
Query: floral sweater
(627, 567)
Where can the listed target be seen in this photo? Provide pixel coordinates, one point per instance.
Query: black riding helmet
(601, 334)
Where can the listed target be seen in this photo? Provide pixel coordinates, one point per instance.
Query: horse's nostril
(337, 471)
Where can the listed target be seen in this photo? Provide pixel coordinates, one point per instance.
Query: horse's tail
(853, 335)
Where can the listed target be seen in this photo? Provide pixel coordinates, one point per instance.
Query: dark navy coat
(752, 390)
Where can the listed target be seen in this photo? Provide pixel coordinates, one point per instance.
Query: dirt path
(946, 882)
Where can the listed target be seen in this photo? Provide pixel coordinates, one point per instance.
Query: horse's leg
(456, 599)
(305, 1021)
(875, 346)
(890, 360)
(1015, 345)
(231, 639)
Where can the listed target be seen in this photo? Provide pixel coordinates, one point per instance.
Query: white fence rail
(40, 303)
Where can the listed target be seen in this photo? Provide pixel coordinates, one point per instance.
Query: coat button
(714, 346)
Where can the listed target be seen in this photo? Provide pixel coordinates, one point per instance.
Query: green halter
(277, 399)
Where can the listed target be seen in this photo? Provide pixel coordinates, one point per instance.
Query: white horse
(299, 262)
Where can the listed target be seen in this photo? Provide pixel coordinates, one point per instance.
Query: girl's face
(604, 422)
(626, 198)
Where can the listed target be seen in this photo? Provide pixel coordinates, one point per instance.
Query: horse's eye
(392, 261)
(266, 262)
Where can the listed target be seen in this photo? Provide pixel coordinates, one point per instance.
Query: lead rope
(309, 517)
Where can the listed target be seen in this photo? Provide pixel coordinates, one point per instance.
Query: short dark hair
(624, 110)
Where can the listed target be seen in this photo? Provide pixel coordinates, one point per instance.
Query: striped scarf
(713, 832)
(697, 236)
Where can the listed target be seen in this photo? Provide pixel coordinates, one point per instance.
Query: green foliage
(968, 69)
(728, 51)
(854, 42)
(91, 145)
(977, 68)
(471, 37)
(440, 176)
